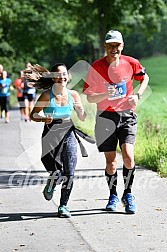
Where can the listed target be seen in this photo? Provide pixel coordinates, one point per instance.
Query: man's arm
(143, 84)
(99, 97)
(133, 99)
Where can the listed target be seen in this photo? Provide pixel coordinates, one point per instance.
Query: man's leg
(128, 175)
(111, 177)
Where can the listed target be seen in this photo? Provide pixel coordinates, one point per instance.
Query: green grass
(151, 143)
(13, 97)
(151, 148)
(154, 106)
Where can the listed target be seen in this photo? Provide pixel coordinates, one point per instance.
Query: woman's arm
(78, 105)
(40, 104)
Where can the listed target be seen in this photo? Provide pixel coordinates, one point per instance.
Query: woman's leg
(69, 159)
(26, 105)
(6, 108)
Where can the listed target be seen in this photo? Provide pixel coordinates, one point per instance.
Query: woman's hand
(79, 110)
(48, 119)
(78, 105)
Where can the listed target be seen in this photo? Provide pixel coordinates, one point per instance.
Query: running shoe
(64, 212)
(112, 203)
(128, 202)
(49, 189)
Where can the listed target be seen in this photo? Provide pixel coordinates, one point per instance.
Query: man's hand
(111, 90)
(133, 100)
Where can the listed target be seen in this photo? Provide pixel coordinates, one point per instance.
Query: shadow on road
(7, 217)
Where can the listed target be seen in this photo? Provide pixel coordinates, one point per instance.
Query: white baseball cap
(113, 36)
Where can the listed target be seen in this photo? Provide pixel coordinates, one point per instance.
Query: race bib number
(120, 91)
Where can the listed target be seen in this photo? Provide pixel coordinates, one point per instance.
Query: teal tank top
(59, 111)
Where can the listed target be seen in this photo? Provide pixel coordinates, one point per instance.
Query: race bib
(120, 91)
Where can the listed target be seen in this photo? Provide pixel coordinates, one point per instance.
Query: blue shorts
(114, 127)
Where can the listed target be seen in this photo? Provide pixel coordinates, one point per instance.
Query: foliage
(137, 46)
(34, 31)
(125, 15)
(68, 30)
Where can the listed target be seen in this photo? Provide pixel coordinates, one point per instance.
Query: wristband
(139, 96)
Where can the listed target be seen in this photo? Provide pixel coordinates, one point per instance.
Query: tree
(46, 31)
(96, 17)
(35, 31)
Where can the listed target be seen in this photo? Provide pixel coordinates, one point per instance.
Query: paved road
(29, 223)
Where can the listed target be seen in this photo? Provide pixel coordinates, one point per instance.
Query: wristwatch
(139, 96)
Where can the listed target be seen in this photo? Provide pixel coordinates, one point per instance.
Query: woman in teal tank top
(59, 146)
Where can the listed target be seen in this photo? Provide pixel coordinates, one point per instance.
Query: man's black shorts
(29, 97)
(114, 127)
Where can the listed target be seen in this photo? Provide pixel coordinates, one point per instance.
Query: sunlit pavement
(29, 223)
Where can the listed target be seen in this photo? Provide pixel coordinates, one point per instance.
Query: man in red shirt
(109, 84)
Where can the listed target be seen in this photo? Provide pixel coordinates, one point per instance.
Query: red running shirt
(101, 74)
(19, 85)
